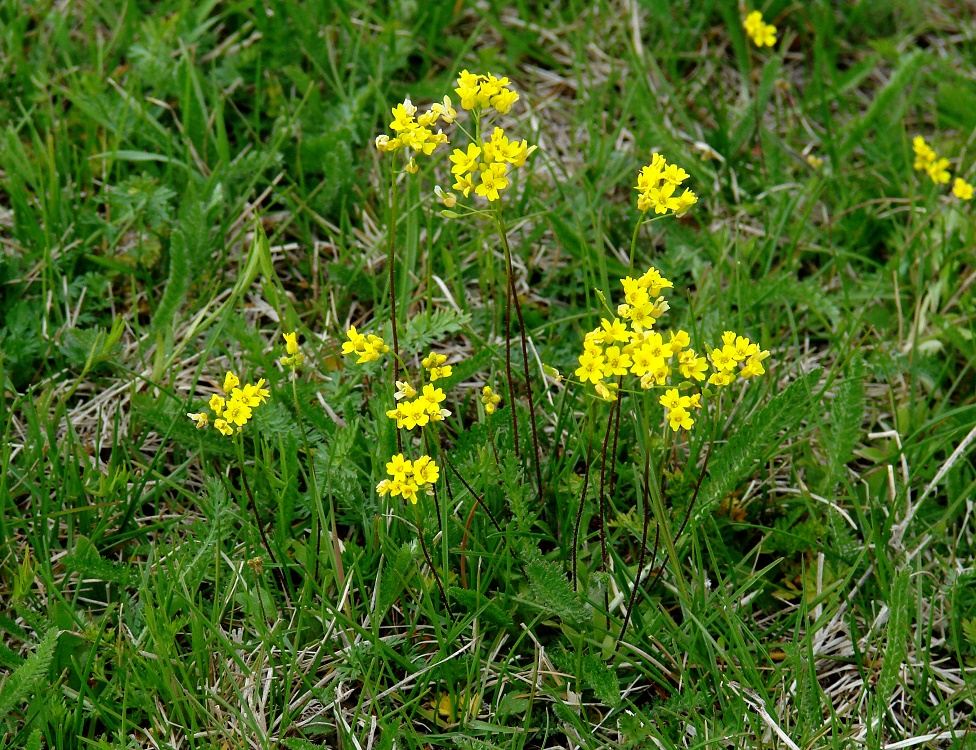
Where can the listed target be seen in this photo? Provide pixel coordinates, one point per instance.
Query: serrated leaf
(899, 609)
(884, 103)
(422, 330)
(736, 459)
(600, 678)
(551, 590)
(844, 427)
(486, 608)
(22, 682)
(87, 561)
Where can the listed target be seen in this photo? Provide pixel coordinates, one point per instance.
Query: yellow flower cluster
(418, 410)
(490, 399)
(235, 410)
(481, 91)
(484, 168)
(414, 131)
(413, 410)
(367, 348)
(656, 185)
(736, 351)
(937, 168)
(762, 34)
(408, 477)
(629, 345)
(294, 356)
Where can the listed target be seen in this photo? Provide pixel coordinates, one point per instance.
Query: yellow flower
(433, 360)
(465, 161)
(674, 174)
(222, 427)
(425, 471)
(445, 110)
(431, 399)
(291, 343)
(398, 414)
(356, 342)
(680, 418)
(404, 390)
(642, 361)
(616, 363)
(251, 395)
(437, 373)
(230, 381)
(399, 467)
(721, 377)
(591, 367)
(411, 166)
(614, 331)
(724, 358)
(671, 399)
(217, 404)
(606, 391)
(685, 201)
(490, 399)
(924, 154)
(414, 414)
(678, 341)
(762, 34)
(938, 171)
(409, 491)
(237, 412)
(465, 184)
(962, 189)
(468, 87)
(753, 367)
(661, 199)
(503, 100)
(692, 367)
(202, 419)
(493, 179)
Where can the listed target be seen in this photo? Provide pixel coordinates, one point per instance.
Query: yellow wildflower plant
(482, 91)
(236, 410)
(435, 364)
(631, 345)
(415, 408)
(928, 161)
(490, 399)
(485, 165)
(408, 477)
(657, 184)
(762, 34)
(293, 353)
(414, 132)
(366, 347)
(962, 189)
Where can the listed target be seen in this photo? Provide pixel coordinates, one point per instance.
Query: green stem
(391, 261)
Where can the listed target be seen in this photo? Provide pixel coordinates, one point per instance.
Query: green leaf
(22, 682)
(747, 124)
(551, 590)
(600, 678)
(899, 609)
(736, 459)
(423, 330)
(885, 103)
(846, 412)
(486, 608)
